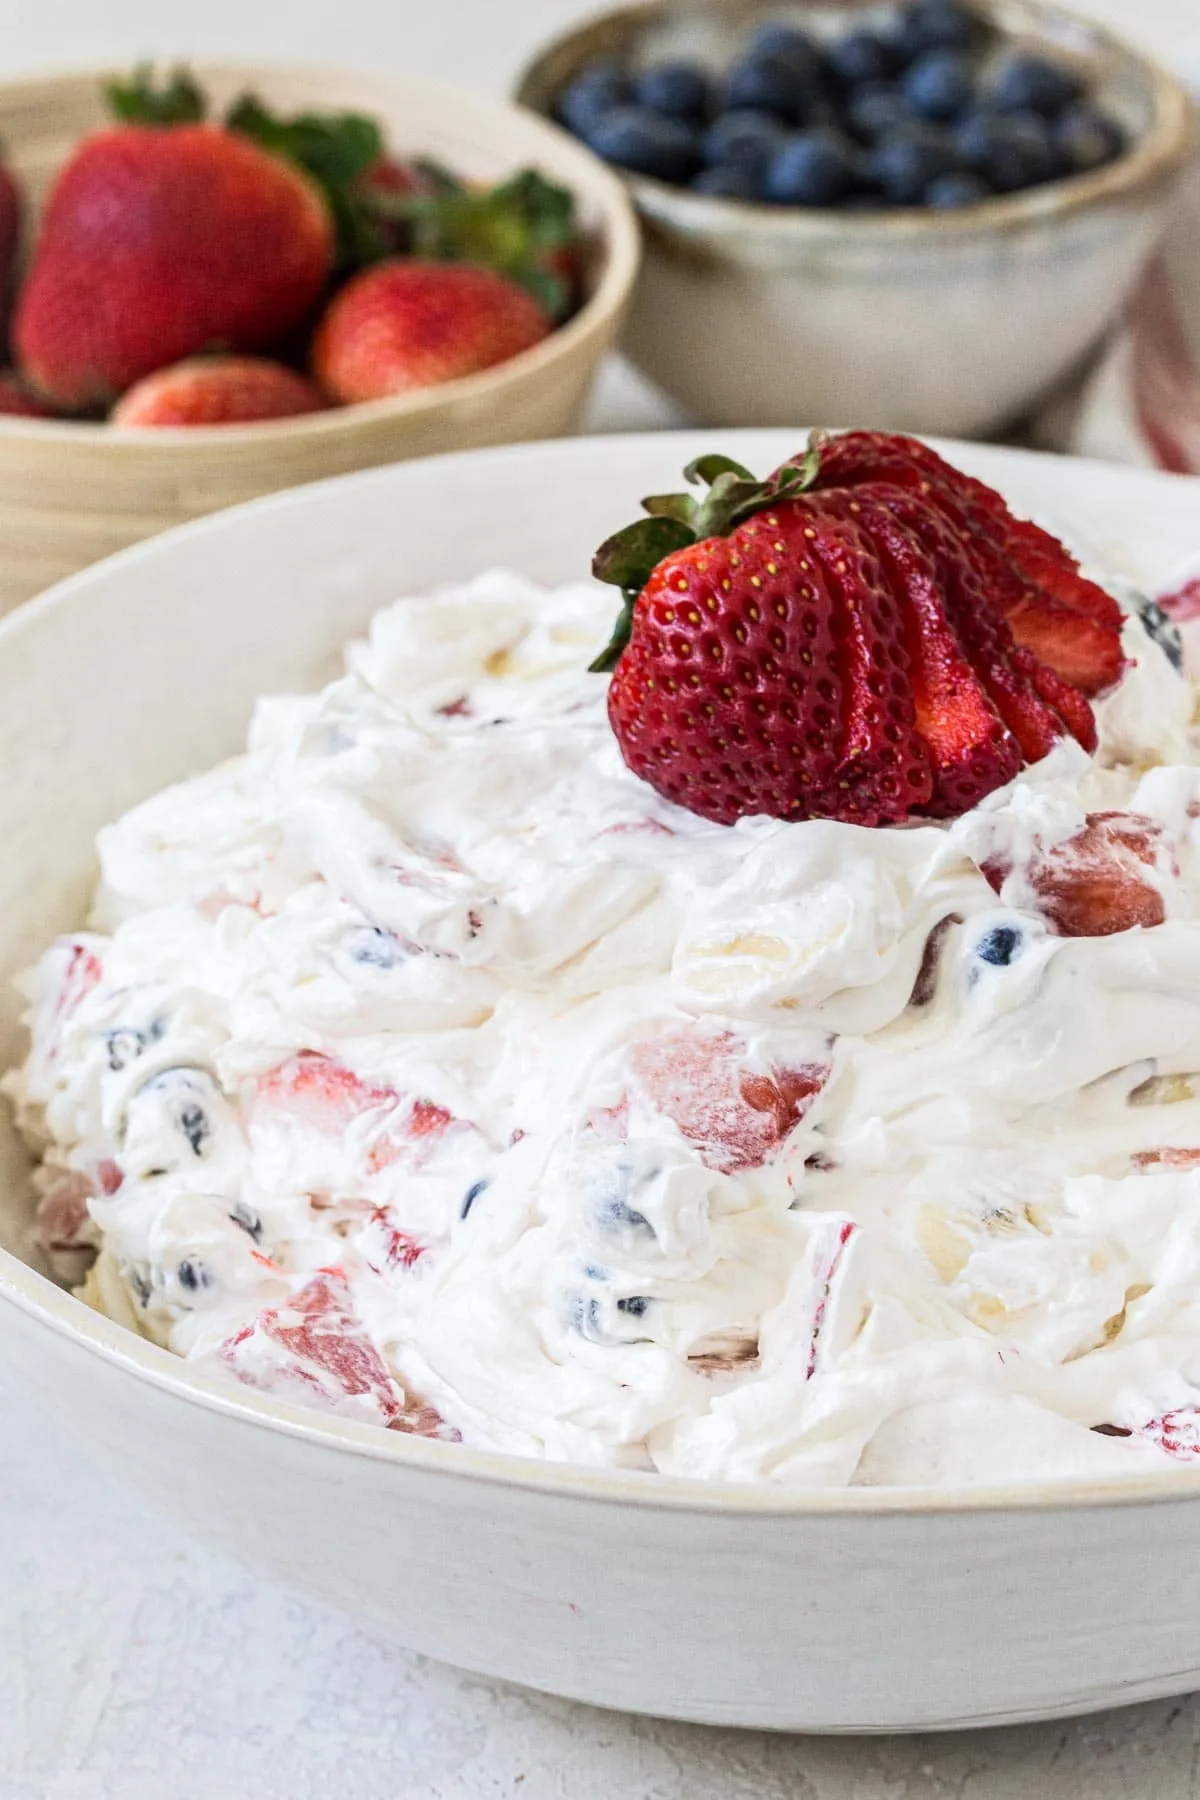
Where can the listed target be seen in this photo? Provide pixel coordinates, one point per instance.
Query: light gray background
(134, 1666)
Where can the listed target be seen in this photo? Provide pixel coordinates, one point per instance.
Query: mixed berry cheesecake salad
(776, 1061)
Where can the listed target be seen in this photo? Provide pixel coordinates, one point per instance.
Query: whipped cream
(424, 1065)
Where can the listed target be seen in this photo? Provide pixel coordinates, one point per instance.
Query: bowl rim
(52, 1308)
(1157, 155)
(618, 225)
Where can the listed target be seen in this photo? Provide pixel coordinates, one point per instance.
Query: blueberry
(377, 949)
(635, 138)
(906, 161)
(770, 84)
(940, 85)
(248, 1219)
(746, 136)
(1031, 84)
(1000, 946)
(877, 109)
(1009, 151)
(471, 1196)
(679, 89)
(636, 1305)
(730, 181)
(193, 1122)
(936, 25)
(859, 57)
(596, 90)
(124, 1046)
(951, 191)
(785, 44)
(585, 1318)
(1085, 138)
(1162, 630)
(193, 1275)
(816, 168)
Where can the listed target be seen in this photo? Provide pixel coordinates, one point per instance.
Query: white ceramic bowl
(922, 321)
(847, 1611)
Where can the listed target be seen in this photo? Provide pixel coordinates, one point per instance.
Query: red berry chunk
(735, 1115)
(1095, 884)
(315, 1351)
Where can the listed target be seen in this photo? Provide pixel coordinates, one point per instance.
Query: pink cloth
(1144, 404)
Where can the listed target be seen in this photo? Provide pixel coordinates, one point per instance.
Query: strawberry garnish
(837, 641)
(1032, 577)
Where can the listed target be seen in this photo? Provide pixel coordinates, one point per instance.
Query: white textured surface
(137, 1667)
(134, 1666)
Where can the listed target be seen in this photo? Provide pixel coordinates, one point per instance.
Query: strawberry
(218, 390)
(17, 403)
(1033, 577)
(158, 242)
(734, 1114)
(1171, 1156)
(314, 1349)
(1095, 883)
(402, 326)
(805, 649)
(10, 233)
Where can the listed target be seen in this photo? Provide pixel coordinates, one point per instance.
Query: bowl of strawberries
(227, 280)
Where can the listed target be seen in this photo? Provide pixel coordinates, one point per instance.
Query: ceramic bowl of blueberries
(918, 216)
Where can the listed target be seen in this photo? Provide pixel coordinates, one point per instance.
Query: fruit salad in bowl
(767, 1054)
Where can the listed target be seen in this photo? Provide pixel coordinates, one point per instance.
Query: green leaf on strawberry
(336, 149)
(143, 100)
(628, 558)
(525, 227)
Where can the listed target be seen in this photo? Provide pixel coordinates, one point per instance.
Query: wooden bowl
(72, 493)
(952, 322)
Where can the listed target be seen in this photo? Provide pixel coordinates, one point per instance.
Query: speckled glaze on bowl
(858, 1610)
(945, 322)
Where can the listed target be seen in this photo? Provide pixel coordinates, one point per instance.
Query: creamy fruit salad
(428, 1065)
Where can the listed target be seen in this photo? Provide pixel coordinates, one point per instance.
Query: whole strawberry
(159, 242)
(16, 402)
(10, 232)
(405, 325)
(218, 390)
(833, 642)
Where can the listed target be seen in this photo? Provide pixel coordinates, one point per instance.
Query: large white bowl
(846, 1611)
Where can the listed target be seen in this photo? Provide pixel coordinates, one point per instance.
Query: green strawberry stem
(336, 149)
(141, 100)
(629, 558)
(519, 227)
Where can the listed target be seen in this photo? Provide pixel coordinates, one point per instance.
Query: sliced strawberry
(979, 626)
(63, 1221)
(1027, 569)
(1080, 649)
(385, 1246)
(735, 1115)
(1072, 706)
(1169, 1157)
(314, 1350)
(971, 750)
(322, 1094)
(1095, 885)
(885, 771)
(313, 1093)
(425, 1421)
